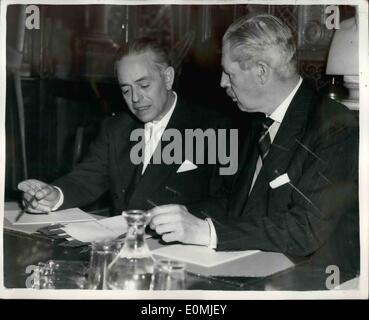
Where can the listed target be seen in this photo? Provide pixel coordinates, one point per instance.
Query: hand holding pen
(174, 222)
(38, 197)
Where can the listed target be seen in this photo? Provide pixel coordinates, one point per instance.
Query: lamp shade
(343, 58)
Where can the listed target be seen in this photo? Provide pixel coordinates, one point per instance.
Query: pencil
(25, 208)
(152, 203)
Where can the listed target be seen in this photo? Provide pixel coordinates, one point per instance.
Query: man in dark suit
(146, 78)
(296, 190)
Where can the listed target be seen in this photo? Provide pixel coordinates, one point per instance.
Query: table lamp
(343, 59)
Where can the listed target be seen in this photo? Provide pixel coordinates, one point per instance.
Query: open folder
(61, 216)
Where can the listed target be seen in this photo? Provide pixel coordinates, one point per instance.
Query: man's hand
(46, 196)
(175, 223)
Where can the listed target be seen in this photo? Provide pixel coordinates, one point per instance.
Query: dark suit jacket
(316, 215)
(108, 166)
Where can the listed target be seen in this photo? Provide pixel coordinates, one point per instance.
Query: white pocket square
(186, 166)
(279, 181)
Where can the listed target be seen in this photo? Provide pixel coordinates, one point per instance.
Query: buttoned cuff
(213, 235)
(60, 201)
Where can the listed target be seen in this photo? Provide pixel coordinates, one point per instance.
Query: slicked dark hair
(143, 45)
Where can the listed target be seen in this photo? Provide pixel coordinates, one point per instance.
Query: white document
(61, 216)
(98, 230)
(200, 255)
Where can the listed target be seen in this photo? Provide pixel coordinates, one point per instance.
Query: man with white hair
(297, 190)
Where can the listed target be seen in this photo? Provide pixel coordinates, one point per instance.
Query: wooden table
(24, 249)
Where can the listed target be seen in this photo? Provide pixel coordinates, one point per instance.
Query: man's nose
(224, 81)
(135, 96)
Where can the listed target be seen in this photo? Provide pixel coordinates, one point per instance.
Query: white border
(362, 293)
(189, 2)
(364, 144)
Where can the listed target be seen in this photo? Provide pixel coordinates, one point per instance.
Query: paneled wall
(68, 75)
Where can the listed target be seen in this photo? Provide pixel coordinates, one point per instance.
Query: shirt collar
(278, 114)
(163, 121)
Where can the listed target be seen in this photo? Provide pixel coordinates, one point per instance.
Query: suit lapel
(127, 170)
(247, 163)
(286, 141)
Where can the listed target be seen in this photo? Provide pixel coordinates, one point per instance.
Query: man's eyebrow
(142, 79)
(138, 80)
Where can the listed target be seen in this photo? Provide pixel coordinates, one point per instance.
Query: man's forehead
(136, 66)
(226, 51)
(226, 60)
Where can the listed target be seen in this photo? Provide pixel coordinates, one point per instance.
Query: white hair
(263, 38)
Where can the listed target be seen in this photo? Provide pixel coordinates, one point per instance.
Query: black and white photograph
(184, 149)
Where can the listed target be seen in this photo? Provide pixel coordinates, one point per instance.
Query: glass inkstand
(133, 267)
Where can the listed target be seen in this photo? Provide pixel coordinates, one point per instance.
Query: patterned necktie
(264, 140)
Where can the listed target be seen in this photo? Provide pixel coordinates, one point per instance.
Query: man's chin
(234, 99)
(242, 107)
(145, 117)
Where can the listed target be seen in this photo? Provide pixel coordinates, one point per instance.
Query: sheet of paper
(200, 255)
(24, 228)
(61, 216)
(104, 229)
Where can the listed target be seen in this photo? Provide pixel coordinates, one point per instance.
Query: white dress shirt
(153, 132)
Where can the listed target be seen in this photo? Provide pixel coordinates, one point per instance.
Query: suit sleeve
(323, 190)
(90, 178)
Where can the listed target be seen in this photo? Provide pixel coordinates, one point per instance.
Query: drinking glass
(102, 254)
(168, 275)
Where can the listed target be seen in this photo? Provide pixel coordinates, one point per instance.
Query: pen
(25, 208)
(175, 192)
(148, 213)
(152, 203)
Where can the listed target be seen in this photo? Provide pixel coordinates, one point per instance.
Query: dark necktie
(264, 140)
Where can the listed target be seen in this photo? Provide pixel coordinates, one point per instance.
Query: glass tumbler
(102, 254)
(168, 275)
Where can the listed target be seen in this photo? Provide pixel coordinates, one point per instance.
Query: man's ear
(169, 77)
(263, 72)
